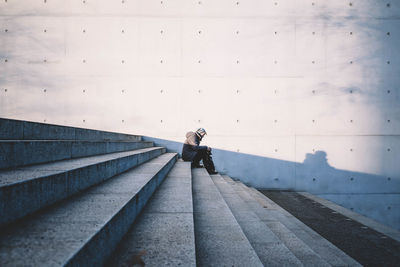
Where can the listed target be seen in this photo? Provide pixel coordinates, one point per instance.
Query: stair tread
(165, 228)
(273, 213)
(270, 250)
(349, 236)
(28, 189)
(69, 141)
(296, 246)
(20, 153)
(54, 235)
(26, 173)
(19, 129)
(219, 239)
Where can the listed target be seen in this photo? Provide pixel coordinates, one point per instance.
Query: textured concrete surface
(368, 247)
(326, 250)
(26, 130)
(22, 152)
(27, 189)
(270, 250)
(300, 250)
(164, 231)
(219, 239)
(83, 230)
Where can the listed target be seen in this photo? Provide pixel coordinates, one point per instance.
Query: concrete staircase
(78, 197)
(308, 247)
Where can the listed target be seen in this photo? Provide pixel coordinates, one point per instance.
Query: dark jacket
(191, 146)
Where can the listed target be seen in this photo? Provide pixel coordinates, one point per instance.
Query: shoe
(213, 172)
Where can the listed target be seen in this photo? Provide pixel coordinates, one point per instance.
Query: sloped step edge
(165, 228)
(296, 245)
(21, 199)
(28, 130)
(102, 244)
(234, 249)
(258, 234)
(21, 153)
(319, 244)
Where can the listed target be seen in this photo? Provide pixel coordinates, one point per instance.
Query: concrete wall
(275, 80)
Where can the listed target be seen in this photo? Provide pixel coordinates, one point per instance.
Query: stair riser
(219, 238)
(20, 199)
(320, 245)
(165, 224)
(259, 235)
(101, 246)
(24, 130)
(16, 154)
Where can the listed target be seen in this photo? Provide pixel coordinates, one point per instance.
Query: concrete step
(16, 153)
(27, 189)
(302, 252)
(219, 239)
(273, 213)
(163, 234)
(84, 230)
(360, 242)
(270, 250)
(26, 130)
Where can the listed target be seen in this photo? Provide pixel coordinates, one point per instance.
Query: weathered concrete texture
(163, 234)
(368, 247)
(25, 130)
(280, 220)
(302, 252)
(393, 233)
(83, 230)
(19, 153)
(219, 239)
(270, 250)
(28, 189)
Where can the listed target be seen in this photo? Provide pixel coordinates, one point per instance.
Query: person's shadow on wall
(369, 194)
(317, 159)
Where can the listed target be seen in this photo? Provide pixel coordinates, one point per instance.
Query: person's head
(201, 132)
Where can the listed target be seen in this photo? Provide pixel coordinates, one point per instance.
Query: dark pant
(200, 155)
(206, 157)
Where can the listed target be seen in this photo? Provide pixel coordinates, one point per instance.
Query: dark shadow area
(367, 246)
(374, 196)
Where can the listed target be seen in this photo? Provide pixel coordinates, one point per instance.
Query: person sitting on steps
(192, 151)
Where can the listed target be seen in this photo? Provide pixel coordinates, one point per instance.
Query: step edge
(205, 173)
(23, 124)
(224, 179)
(70, 148)
(317, 256)
(191, 231)
(75, 168)
(339, 254)
(74, 259)
(66, 174)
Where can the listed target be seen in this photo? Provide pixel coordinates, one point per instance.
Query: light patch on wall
(269, 75)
